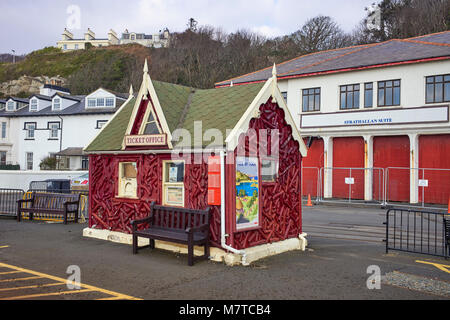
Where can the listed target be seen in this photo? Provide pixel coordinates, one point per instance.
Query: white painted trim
(270, 89)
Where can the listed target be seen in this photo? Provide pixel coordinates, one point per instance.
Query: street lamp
(14, 56)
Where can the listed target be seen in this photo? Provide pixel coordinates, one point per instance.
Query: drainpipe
(60, 139)
(222, 211)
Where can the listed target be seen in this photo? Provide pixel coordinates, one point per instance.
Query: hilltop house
(381, 109)
(69, 43)
(54, 123)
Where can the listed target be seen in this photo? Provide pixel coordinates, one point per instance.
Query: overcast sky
(28, 25)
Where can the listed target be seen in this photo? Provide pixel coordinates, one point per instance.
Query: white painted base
(218, 255)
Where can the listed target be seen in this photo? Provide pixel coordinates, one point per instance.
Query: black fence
(416, 231)
(8, 201)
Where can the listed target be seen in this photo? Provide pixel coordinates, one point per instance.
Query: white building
(42, 126)
(381, 109)
(70, 43)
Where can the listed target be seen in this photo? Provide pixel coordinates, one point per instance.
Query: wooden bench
(50, 203)
(184, 226)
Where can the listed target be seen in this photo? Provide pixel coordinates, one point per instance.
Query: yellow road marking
(3, 247)
(111, 298)
(47, 294)
(9, 272)
(32, 287)
(42, 275)
(441, 267)
(20, 279)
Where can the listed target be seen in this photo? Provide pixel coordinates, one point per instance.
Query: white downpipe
(222, 211)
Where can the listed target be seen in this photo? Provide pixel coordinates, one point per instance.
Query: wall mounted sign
(155, 140)
(376, 117)
(247, 193)
(423, 183)
(349, 180)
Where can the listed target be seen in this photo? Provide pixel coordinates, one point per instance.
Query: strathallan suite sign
(155, 140)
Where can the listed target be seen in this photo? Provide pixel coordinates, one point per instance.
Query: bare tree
(320, 33)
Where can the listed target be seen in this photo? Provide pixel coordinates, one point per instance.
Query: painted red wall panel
(313, 160)
(348, 153)
(434, 152)
(393, 151)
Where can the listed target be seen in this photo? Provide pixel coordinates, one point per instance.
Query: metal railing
(348, 185)
(415, 231)
(8, 201)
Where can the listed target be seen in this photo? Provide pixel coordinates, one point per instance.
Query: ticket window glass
(173, 183)
(269, 170)
(128, 180)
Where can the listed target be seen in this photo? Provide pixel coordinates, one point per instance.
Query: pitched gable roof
(222, 109)
(392, 52)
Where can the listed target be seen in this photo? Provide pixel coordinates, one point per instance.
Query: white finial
(231, 83)
(146, 66)
(131, 90)
(274, 71)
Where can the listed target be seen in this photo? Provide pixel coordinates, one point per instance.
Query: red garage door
(348, 153)
(434, 153)
(393, 152)
(311, 166)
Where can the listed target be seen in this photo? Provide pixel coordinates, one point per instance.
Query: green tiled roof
(217, 109)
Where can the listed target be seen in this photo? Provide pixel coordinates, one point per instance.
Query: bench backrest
(54, 201)
(178, 218)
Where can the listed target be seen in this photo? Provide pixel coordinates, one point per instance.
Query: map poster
(247, 193)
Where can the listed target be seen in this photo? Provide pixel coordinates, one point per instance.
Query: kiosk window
(128, 180)
(173, 183)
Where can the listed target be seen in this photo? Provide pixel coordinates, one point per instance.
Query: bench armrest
(24, 201)
(204, 227)
(135, 223)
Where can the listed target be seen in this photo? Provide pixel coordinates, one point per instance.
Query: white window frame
(123, 181)
(145, 122)
(54, 127)
(91, 102)
(30, 130)
(55, 103)
(29, 164)
(9, 104)
(110, 102)
(3, 130)
(173, 185)
(102, 104)
(34, 104)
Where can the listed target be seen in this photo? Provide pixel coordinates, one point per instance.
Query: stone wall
(27, 84)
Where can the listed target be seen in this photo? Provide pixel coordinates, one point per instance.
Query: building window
(29, 160)
(33, 105)
(3, 133)
(285, 96)
(85, 163)
(127, 180)
(101, 123)
(57, 104)
(2, 158)
(173, 183)
(92, 102)
(311, 100)
(54, 128)
(65, 46)
(269, 170)
(438, 89)
(368, 95)
(30, 129)
(110, 102)
(10, 106)
(151, 126)
(100, 102)
(349, 97)
(389, 93)
(76, 47)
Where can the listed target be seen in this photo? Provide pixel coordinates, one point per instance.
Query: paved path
(331, 268)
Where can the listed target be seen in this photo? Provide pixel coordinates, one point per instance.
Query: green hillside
(86, 70)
